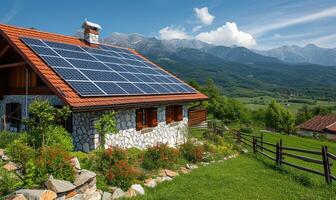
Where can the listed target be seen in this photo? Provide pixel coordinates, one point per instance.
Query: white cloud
(12, 12)
(172, 32)
(204, 16)
(197, 28)
(329, 12)
(227, 35)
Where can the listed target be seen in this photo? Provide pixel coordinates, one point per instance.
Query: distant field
(255, 103)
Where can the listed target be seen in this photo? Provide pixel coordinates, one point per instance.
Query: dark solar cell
(134, 62)
(70, 74)
(74, 54)
(86, 88)
(130, 88)
(131, 77)
(146, 70)
(131, 69)
(56, 61)
(81, 64)
(63, 46)
(111, 88)
(145, 78)
(159, 88)
(96, 51)
(171, 88)
(116, 67)
(110, 59)
(146, 88)
(32, 41)
(44, 51)
(103, 76)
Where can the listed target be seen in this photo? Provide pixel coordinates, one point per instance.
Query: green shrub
(7, 138)
(192, 152)
(160, 156)
(57, 135)
(8, 182)
(51, 161)
(19, 152)
(121, 174)
(86, 160)
(134, 156)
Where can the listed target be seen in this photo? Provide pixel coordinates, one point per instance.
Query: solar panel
(106, 70)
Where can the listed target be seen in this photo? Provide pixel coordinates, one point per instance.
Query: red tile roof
(320, 123)
(63, 90)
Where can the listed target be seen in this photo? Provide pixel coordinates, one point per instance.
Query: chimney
(91, 32)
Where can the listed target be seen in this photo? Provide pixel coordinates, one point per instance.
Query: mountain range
(240, 71)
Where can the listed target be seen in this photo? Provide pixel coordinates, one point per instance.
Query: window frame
(146, 118)
(174, 113)
(14, 114)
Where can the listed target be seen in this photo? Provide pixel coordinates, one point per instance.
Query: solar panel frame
(125, 72)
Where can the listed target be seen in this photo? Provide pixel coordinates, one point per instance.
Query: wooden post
(238, 137)
(277, 153)
(261, 141)
(254, 145)
(280, 152)
(326, 164)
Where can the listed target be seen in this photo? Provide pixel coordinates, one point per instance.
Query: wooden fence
(281, 151)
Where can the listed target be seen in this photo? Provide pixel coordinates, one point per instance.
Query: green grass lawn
(244, 177)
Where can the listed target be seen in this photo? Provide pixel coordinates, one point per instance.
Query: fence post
(261, 141)
(254, 145)
(280, 152)
(277, 153)
(238, 137)
(326, 164)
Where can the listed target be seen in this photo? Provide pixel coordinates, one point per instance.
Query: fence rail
(278, 155)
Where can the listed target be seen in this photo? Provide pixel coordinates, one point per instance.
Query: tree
(106, 124)
(43, 116)
(279, 118)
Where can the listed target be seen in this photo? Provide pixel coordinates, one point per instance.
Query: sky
(258, 24)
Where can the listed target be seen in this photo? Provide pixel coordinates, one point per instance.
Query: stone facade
(86, 137)
(25, 101)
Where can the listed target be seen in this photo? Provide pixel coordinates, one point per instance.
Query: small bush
(8, 182)
(247, 130)
(51, 161)
(121, 174)
(191, 152)
(57, 135)
(7, 138)
(19, 152)
(160, 156)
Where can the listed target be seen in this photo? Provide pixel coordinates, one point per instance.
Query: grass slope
(242, 178)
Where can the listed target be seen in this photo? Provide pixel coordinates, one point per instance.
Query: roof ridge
(37, 30)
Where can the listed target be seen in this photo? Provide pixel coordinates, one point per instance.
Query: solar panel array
(106, 70)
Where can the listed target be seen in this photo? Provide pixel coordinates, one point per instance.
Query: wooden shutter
(153, 122)
(139, 119)
(169, 114)
(178, 113)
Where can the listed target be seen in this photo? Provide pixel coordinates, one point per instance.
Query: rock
(77, 197)
(244, 151)
(59, 186)
(112, 189)
(184, 170)
(151, 183)
(170, 173)
(17, 197)
(84, 176)
(38, 194)
(2, 152)
(118, 193)
(95, 196)
(130, 193)
(75, 163)
(138, 188)
(107, 196)
(10, 166)
(191, 166)
(163, 179)
(162, 172)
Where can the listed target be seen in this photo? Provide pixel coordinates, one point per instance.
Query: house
(323, 125)
(92, 78)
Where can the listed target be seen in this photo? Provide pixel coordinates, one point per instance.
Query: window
(174, 113)
(146, 117)
(13, 114)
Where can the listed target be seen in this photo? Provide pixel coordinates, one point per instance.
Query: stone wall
(86, 137)
(25, 101)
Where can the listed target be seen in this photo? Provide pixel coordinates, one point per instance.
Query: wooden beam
(12, 65)
(4, 50)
